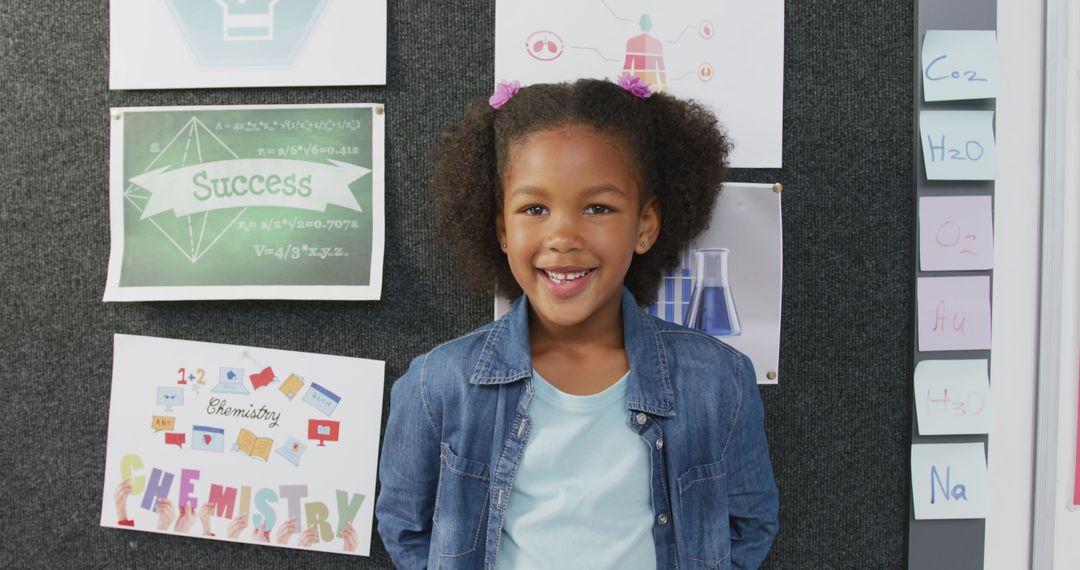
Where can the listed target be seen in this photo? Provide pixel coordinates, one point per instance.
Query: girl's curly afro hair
(679, 144)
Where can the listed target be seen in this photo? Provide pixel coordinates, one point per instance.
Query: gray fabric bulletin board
(839, 423)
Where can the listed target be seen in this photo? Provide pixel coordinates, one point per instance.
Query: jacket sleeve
(409, 471)
(753, 500)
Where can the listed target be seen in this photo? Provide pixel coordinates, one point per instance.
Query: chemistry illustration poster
(728, 54)
(730, 280)
(166, 44)
(246, 202)
(243, 444)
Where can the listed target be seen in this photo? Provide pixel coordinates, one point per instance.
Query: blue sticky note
(321, 399)
(949, 481)
(958, 145)
(960, 64)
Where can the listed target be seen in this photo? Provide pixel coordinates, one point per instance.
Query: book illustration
(262, 378)
(252, 445)
(292, 385)
(321, 399)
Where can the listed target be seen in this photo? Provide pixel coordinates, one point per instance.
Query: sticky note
(960, 64)
(956, 233)
(953, 397)
(954, 313)
(948, 481)
(958, 145)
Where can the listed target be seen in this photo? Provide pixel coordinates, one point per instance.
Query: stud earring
(642, 244)
(504, 245)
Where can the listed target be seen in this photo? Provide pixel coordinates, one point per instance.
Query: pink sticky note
(954, 313)
(956, 233)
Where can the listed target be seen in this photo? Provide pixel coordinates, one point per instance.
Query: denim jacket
(459, 424)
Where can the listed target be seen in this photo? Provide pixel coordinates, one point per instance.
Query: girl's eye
(598, 209)
(535, 210)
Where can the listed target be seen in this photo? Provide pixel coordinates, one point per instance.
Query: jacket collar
(505, 357)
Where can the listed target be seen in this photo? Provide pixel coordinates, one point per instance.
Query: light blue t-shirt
(581, 497)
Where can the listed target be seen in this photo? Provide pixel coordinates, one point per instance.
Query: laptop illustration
(230, 381)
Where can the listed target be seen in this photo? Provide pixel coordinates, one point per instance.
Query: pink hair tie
(635, 86)
(503, 92)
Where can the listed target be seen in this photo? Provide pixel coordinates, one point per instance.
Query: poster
(727, 54)
(730, 281)
(246, 202)
(243, 444)
(167, 44)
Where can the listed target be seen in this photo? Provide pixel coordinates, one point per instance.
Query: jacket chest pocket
(705, 531)
(460, 507)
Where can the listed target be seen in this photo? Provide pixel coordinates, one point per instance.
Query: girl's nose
(564, 234)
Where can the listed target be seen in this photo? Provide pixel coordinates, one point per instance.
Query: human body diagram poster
(243, 444)
(164, 44)
(728, 54)
(270, 202)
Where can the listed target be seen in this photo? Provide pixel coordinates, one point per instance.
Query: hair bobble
(504, 91)
(635, 86)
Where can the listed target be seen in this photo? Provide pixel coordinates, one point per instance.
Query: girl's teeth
(563, 277)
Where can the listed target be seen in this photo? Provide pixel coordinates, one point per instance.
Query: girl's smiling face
(572, 220)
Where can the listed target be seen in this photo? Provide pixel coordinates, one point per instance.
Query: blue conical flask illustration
(712, 307)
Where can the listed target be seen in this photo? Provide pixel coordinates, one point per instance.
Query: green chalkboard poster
(246, 202)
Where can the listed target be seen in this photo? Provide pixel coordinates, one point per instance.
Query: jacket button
(641, 418)
(662, 519)
(660, 444)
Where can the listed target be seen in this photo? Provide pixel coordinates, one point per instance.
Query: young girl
(577, 431)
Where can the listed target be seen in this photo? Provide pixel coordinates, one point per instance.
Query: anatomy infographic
(282, 202)
(728, 54)
(243, 444)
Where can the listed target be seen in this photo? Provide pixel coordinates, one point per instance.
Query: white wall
(1016, 268)
(1067, 520)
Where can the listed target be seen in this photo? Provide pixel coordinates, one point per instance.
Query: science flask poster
(243, 444)
(729, 282)
(246, 202)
